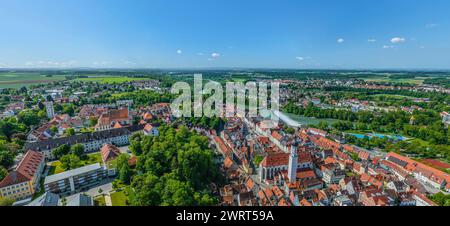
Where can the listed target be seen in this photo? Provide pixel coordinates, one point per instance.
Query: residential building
(21, 183)
(150, 130)
(114, 119)
(92, 142)
(80, 200)
(109, 153)
(76, 180)
(47, 199)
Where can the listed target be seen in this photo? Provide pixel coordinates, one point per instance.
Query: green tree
(69, 132)
(6, 156)
(125, 174)
(77, 149)
(70, 161)
(61, 151)
(28, 117)
(3, 173)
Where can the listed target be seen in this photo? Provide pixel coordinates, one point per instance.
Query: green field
(119, 198)
(55, 168)
(392, 96)
(308, 120)
(415, 81)
(17, 80)
(100, 201)
(109, 79)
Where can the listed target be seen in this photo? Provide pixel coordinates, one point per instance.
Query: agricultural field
(414, 81)
(18, 80)
(109, 79)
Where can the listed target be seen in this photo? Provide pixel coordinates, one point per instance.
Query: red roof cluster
(427, 171)
(281, 159)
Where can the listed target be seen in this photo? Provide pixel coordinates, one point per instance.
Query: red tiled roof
(132, 161)
(12, 178)
(437, 163)
(324, 142)
(276, 135)
(304, 174)
(228, 163)
(109, 152)
(26, 169)
(281, 159)
(30, 163)
(222, 146)
(283, 202)
(305, 202)
(428, 171)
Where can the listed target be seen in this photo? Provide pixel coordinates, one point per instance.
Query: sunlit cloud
(397, 40)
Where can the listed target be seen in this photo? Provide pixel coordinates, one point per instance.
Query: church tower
(293, 161)
(50, 110)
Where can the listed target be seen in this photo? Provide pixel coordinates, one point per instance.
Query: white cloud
(129, 63)
(388, 47)
(432, 25)
(200, 54)
(215, 55)
(179, 51)
(300, 58)
(100, 63)
(372, 40)
(397, 40)
(49, 63)
(340, 40)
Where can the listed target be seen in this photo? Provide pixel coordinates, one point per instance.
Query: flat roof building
(76, 180)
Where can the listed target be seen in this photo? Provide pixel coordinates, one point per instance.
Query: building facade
(75, 181)
(23, 182)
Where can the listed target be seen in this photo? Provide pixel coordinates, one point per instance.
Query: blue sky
(401, 34)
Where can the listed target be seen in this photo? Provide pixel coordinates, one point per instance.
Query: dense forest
(176, 168)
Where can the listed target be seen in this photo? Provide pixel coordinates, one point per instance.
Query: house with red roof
(21, 183)
(151, 130)
(422, 172)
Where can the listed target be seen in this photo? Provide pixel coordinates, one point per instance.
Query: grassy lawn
(109, 79)
(99, 201)
(119, 198)
(90, 159)
(55, 168)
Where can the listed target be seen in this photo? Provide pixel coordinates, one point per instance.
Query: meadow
(109, 79)
(18, 80)
(414, 81)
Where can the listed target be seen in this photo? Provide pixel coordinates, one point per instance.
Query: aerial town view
(103, 103)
